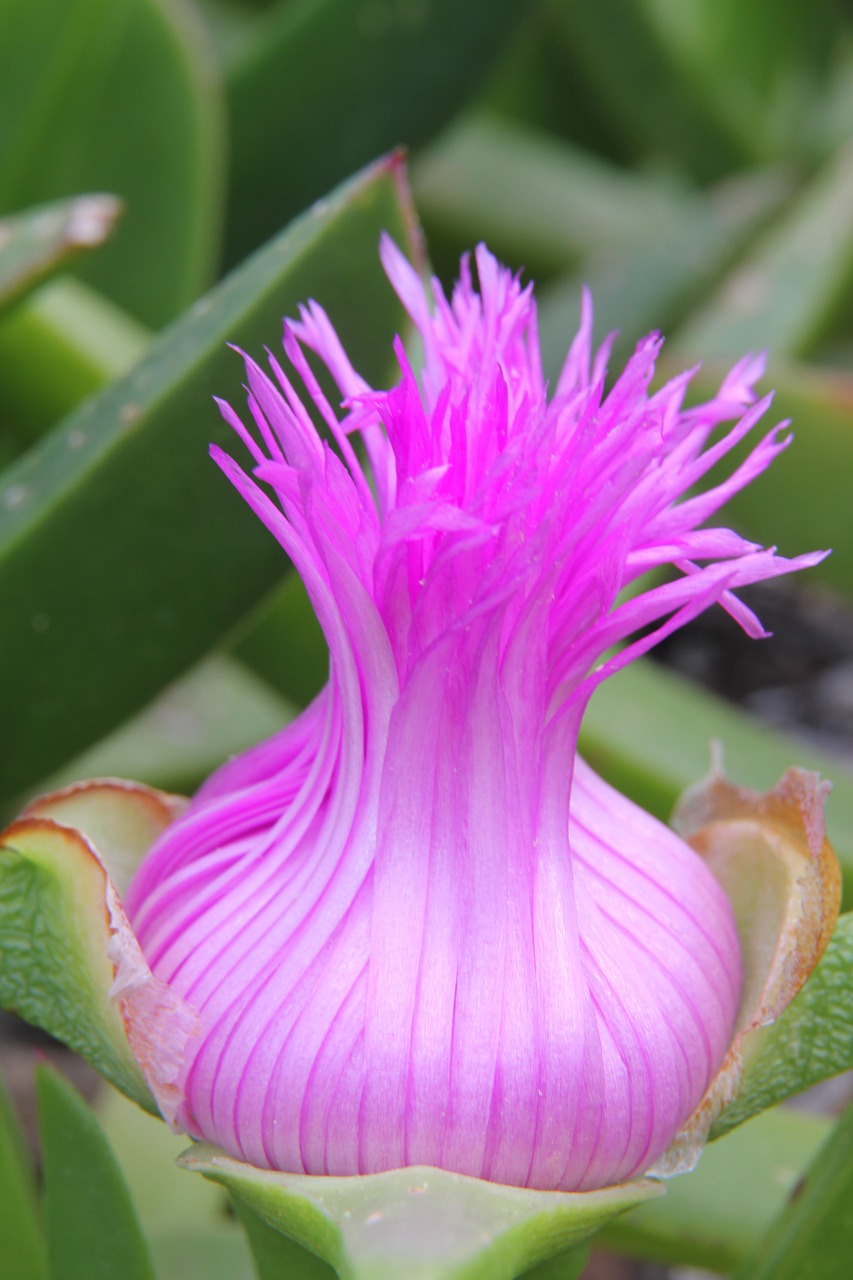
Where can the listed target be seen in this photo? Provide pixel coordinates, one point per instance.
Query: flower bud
(414, 928)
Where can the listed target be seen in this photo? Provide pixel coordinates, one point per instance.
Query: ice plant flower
(415, 927)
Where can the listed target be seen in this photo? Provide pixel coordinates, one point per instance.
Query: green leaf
(285, 644)
(812, 1238)
(715, 1216)
(124, 554)
(80, 336)
(327, 84)
(760, 68)
(538, 201)
(54, 968)
(649, 732)
(122, 96)
(21, 1243)
(216, 711)
(191, 1232)
(651, 108)
(812, 1040)
(35, 244)
(92, 1230)
(208, 1253)
(654, 287)
(789, 292)
(423, 1223)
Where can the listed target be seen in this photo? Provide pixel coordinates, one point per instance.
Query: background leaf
(121, 96)
(328, 84)
(812, 1238)
(715, 1217)
(21, 1243)
(111, 585)
(35, 244)
(191, 1231)
(83, 338)
(786, 295)
(91, 1226)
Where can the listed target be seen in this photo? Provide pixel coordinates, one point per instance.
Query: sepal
(69, 962)
(770, 853)
(422, 1223)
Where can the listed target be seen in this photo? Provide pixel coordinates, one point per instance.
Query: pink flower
(414, 927)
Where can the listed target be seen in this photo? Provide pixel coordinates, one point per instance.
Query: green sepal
(811, 1041)
(423, 1223)
(55, 920)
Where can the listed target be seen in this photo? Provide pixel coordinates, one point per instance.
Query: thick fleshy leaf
(57, 921)
(21, 1242)
(110, 587)
(423, 1223)
(715, 1217)
(649, 732)
(88, 90)
(811, 1041)
(35, 244)
(812, 1238)
(787, 293)
(400, 69)
(91, 1226)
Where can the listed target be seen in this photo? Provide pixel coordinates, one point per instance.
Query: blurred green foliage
(690, 159)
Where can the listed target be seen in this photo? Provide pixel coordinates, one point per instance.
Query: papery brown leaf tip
(770, 853)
